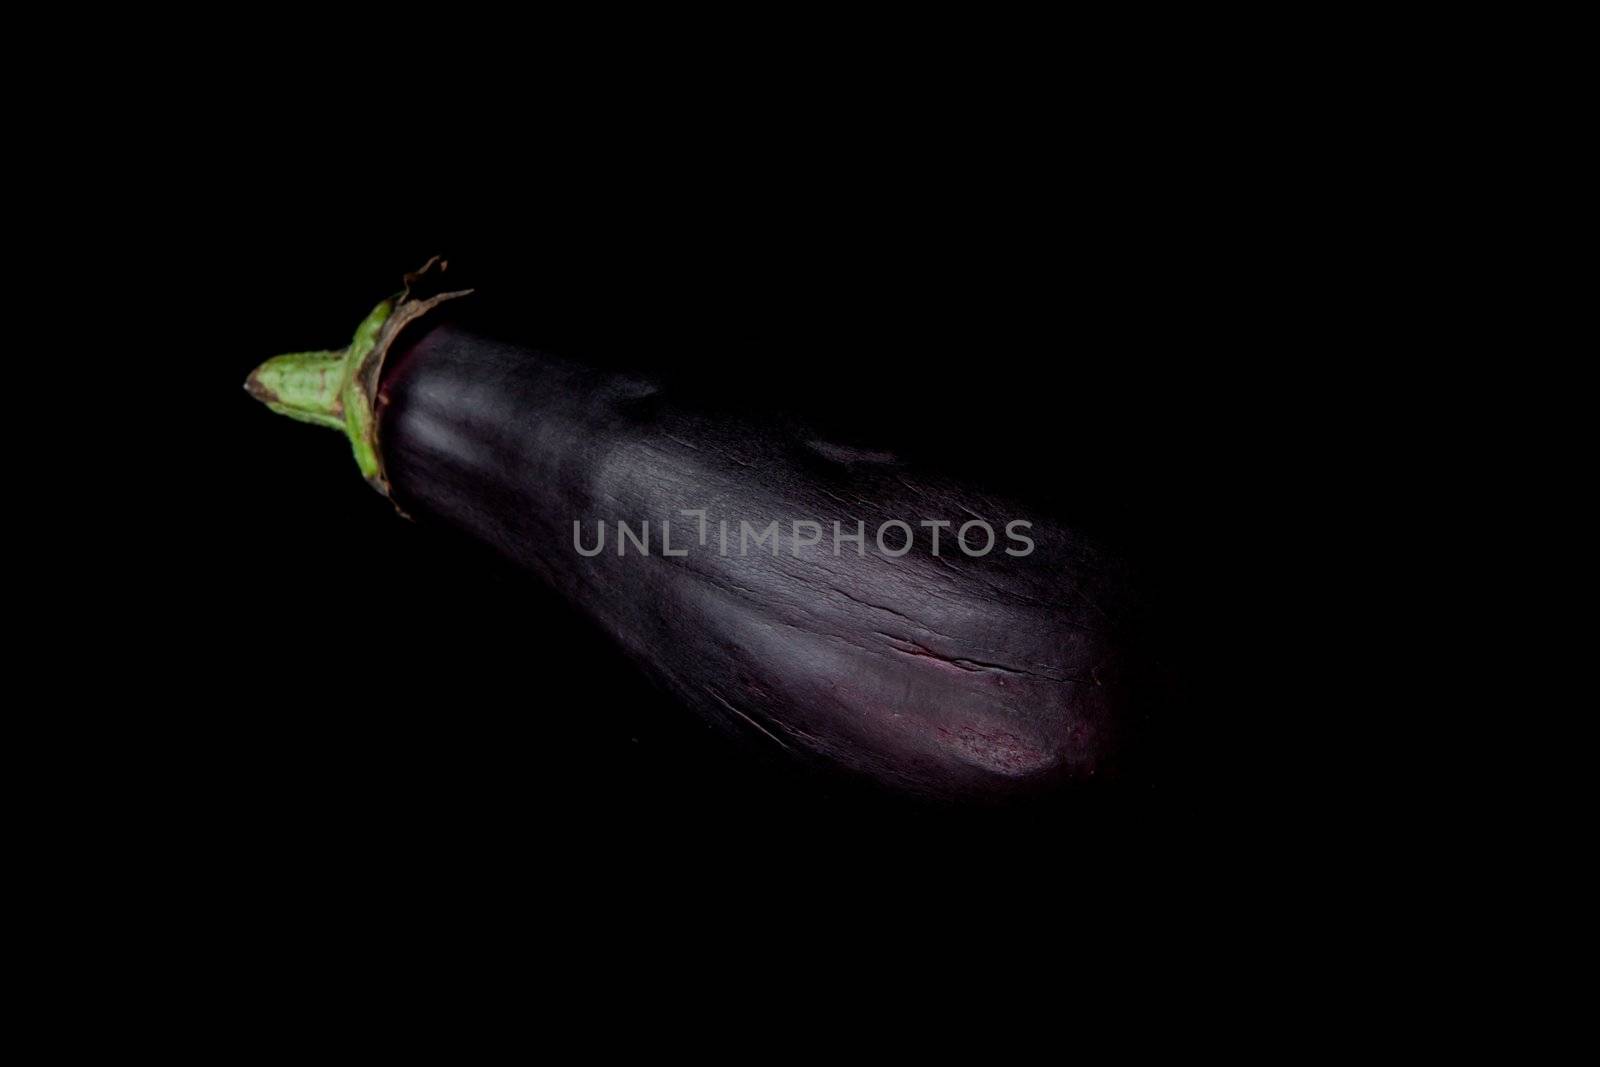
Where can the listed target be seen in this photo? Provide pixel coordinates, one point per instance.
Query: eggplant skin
(946, 675)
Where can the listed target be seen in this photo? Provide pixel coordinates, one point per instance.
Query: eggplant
(925, 665)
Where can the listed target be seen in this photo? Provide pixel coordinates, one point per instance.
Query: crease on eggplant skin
(948, 675)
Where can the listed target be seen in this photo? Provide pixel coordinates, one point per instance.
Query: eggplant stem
(339, 388)
(325, 388)
(302, 385)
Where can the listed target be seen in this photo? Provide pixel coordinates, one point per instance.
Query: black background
(1073, 329)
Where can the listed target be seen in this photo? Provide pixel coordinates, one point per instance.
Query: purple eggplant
(721, 552)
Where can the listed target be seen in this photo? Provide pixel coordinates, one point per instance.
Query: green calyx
(339, 389)
(325, 388)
